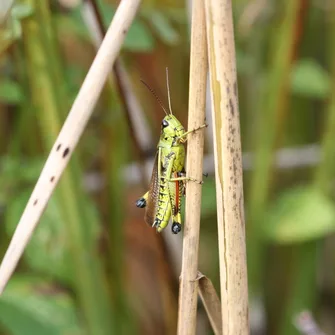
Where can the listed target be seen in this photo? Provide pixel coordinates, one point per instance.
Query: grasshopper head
(171, 129)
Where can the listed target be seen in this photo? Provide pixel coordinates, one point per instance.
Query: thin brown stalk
(228, 167)
(138, 132)
(188, 292)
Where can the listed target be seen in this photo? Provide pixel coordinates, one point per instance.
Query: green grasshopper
(168, 179)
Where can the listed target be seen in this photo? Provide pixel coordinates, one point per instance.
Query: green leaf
(10, 92)
(23, 170)
(12, 30)
(16, 30)
(299, 215)
(163, 27)
(139, 38)
(32, 306)
(310, 80)
(15, 171)
(20, 11)
(49, 248)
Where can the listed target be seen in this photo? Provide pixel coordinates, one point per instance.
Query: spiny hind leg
(176, 194)
(142, 202)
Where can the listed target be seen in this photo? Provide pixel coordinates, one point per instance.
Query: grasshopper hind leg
(142, 202)
(176, 204)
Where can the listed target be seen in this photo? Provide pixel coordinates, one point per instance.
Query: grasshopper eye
(165, 123)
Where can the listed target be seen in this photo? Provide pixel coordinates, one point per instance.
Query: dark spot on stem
(231, 105)
(58, 147)
(66, 152)
(35, 202)
(52, 179)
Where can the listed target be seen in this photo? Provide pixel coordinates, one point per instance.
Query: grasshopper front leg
(183, 138)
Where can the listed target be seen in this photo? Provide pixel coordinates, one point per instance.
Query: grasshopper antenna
(155, 95)
(168, 89)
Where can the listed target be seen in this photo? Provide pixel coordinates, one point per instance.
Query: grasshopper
(168, 179)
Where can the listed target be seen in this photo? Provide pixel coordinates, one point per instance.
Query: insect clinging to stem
(168, 179)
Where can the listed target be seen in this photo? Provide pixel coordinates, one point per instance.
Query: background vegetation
(93, 266)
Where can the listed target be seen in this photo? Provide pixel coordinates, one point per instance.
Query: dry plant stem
(188, 291)
(211, 302)
(228, 167)
(69, 135)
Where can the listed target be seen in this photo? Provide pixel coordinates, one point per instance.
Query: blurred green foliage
(310, 80)
(32, 305)
(10, 92)
(299, 215)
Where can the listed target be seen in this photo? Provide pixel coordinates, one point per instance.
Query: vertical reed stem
(228, 167)
(197, 97)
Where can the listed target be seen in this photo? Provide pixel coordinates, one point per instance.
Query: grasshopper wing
(152, 202)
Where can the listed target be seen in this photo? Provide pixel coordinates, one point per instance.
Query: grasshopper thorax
(172, 130)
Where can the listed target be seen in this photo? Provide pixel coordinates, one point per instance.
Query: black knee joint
(141, 203)
(176, 227)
